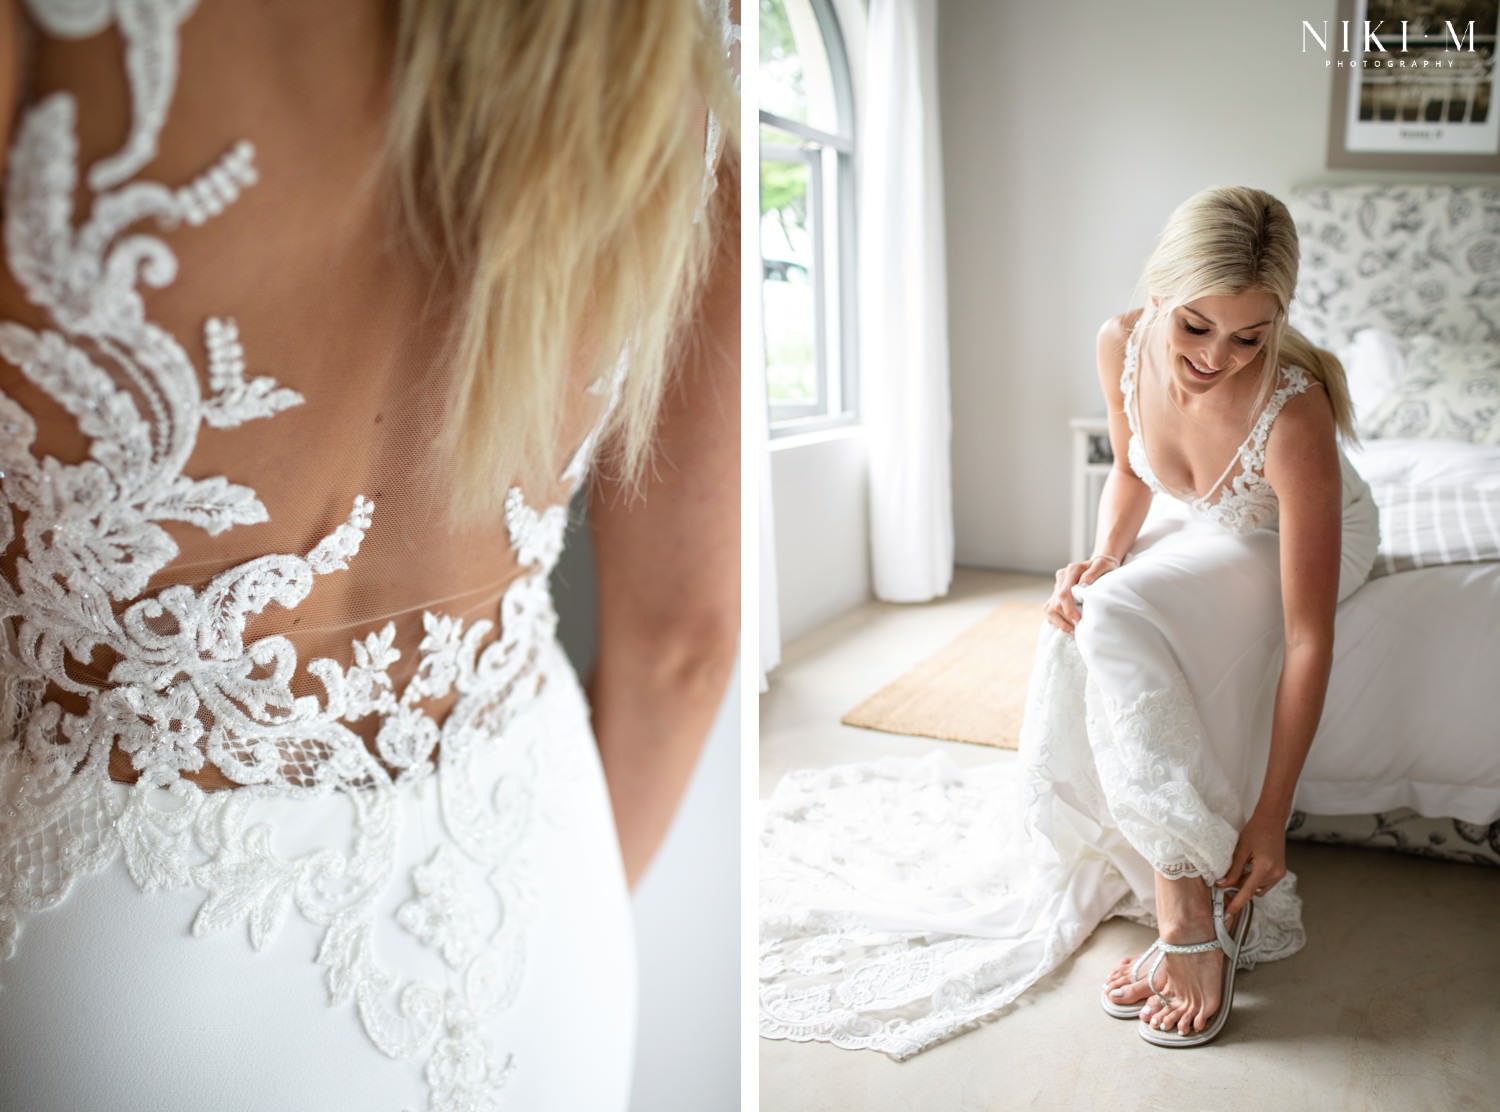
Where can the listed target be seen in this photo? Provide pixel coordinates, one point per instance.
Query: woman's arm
(1302, 466)
(668, 572)
(1125, 499)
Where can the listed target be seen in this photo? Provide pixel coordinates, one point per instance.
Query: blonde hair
(549, 161)
(1226, 240)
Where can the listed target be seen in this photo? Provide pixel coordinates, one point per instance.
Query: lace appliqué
(1244, 503)
(185, 689)
(1149, 755)
(149, 29)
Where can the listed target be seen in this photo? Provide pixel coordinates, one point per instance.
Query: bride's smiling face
(1212, 339)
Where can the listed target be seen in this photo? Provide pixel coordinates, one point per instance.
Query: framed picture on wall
(1414, 85)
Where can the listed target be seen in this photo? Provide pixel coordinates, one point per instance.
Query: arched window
(806, 215)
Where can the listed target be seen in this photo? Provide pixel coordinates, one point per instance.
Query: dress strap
(1127, 380)
(1252, 453)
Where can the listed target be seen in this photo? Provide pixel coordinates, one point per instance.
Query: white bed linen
(1412, 717)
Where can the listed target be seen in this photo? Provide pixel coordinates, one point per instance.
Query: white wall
(687, 906)
(819, 487)
(1070, 132)
(820, 499)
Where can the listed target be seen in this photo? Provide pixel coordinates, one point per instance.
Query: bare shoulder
(1303, 442)
(1114, 333)
(1115, 330)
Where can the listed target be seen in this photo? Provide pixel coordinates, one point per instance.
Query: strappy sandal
(1231, 945)
(1128, 1011)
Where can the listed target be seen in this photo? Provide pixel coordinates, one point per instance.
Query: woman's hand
(1062, 609)
(1259, 861)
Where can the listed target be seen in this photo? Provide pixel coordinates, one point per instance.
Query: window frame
(788, 420)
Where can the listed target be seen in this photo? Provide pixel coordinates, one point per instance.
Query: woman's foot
(1122, 989)
(1190, 985)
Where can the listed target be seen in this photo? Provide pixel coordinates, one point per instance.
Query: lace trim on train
(904, 901)
(854, 860)
(1247, 501)
(186, 689)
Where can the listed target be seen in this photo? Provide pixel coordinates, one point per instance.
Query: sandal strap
(1193, 948)
(1225, 941)
(1135, 968)
(1231, 947)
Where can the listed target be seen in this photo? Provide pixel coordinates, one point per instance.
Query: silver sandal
(1231, 945)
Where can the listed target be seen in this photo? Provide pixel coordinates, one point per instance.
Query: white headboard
(1408, 259)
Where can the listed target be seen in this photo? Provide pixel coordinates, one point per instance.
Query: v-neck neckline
(1137, 426)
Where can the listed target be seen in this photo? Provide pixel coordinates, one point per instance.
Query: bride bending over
(1177, 688)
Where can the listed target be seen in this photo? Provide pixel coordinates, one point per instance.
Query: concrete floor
(1393, 1006)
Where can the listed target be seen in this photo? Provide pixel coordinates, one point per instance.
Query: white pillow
(1445, 391)
(1374, 365)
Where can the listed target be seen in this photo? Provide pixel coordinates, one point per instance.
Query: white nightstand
(1092, 459)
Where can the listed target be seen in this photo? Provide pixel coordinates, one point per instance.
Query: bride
(1178, 684)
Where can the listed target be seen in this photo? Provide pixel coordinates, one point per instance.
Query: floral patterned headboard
(1408, 259)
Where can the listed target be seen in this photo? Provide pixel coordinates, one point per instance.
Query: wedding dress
(903, 901)
(222, 558)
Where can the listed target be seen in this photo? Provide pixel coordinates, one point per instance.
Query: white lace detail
(1244, 503)
(186, 690)
(1149, 755)
(149, 28)
(853, 860)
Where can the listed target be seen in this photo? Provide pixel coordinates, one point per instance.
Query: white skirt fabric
(110, 1001)
(904, 900)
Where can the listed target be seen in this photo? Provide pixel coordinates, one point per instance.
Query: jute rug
(972, 690)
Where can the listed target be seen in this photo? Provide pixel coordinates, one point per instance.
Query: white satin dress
(904, 900)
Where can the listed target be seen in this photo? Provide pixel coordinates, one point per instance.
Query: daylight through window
(806, 215)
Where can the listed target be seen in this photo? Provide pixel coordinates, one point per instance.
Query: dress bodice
(1241, 499)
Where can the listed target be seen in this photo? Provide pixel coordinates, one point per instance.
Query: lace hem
(1149, 757)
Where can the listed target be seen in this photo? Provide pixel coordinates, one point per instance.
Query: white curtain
(903, 305)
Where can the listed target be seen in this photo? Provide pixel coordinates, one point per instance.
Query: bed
(1403, 282)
